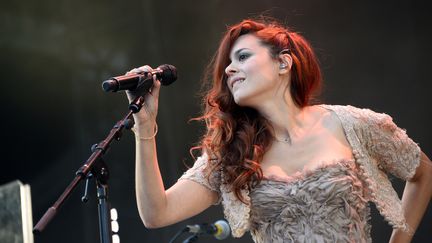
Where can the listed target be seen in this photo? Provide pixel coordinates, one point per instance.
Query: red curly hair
(237, 137)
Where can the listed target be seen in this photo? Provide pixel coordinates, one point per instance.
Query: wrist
(142, 120)
(146, 132)
(144, 127)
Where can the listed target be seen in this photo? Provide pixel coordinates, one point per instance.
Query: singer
(284, 167)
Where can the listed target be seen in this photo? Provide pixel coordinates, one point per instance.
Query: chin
(241, 101)
(244, 98)
(238, 99)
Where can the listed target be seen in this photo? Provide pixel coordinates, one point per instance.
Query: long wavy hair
(237, 137)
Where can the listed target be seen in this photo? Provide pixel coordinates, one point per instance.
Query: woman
(284, 169)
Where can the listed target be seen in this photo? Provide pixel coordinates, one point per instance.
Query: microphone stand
(191, 238)
(95, 166)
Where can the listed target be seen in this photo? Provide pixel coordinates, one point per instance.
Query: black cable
(191, 238)
(186, 229)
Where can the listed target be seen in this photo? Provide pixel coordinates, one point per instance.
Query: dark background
(54, 54)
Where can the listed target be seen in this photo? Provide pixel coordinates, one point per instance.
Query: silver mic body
(220, 229)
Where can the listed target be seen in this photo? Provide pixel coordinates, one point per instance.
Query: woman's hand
(145, 119)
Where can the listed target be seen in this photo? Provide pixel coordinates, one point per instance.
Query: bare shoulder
(331, 122)
(328, 118)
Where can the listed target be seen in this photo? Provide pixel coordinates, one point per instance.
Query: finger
(142, 69)
(145, 69)
(156, 87)
(133, 71)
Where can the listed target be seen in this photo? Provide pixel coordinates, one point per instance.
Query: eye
(243, 57)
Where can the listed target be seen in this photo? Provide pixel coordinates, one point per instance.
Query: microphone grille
(169, 74)
(223, 229)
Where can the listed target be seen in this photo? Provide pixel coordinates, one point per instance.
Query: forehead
(248, 41)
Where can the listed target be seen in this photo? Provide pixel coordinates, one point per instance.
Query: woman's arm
(156, 206)
(415, 199)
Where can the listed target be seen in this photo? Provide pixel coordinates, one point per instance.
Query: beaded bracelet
(147, 138)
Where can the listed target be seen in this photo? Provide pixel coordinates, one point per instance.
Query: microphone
(220, 229)
(166, 73)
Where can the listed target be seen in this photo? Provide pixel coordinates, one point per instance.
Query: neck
(288, 120)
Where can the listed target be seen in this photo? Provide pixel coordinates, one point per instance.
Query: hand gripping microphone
(220, 229)
(166, 73)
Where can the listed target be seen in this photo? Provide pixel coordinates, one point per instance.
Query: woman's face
(253, 75)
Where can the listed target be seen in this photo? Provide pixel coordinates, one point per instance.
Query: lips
(236, 80)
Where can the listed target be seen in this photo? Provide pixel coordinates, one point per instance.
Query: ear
(285, 61)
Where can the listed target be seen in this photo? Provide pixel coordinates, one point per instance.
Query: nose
(230, 69)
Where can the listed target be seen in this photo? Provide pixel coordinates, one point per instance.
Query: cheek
(252, 66)
(228, 87)
(263, 66)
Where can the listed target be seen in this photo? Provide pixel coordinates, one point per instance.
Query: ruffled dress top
(326, 204)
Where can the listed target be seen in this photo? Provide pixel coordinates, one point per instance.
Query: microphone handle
(202, 229)
(129, 82)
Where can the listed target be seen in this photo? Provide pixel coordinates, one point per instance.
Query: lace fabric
(197, 173)
(379, 147)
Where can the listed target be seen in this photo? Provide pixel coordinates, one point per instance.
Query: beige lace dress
(329, 203)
